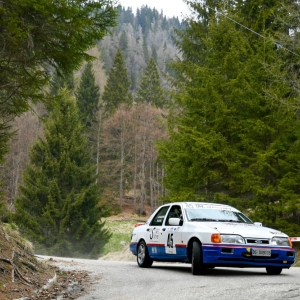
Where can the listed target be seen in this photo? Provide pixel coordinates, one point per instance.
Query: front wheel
(197, 259)
(273, 270)
(143, 259)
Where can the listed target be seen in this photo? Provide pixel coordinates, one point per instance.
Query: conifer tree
(58, 204)
(145, 49)
(232, 136)
(38, 37)
(4, 212)
(123, 43)
(60, 81)
(154, 53)
(116, 90)
(88, 96)
(150, 90)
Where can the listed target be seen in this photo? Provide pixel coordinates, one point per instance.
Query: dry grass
(121, 227)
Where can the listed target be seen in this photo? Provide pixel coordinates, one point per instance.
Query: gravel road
(119, 280)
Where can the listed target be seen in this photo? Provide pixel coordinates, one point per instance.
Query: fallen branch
(15, 269)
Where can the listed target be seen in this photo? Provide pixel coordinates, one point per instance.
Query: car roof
(205, 205)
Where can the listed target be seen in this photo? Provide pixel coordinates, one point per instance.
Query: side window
(159, 217)
(175, 212)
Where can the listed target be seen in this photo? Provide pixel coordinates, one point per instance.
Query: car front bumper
(242, 256)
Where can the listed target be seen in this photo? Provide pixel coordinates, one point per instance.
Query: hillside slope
(24, 276)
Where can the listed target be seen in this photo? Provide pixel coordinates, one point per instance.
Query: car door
(154, 230)
(171, 236)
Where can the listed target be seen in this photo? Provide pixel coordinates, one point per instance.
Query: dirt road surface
(124, 280)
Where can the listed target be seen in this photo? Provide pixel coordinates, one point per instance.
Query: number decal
(154, 234)
(170, 249)
(170, 240)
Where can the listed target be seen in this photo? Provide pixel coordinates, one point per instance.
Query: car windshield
(216, 215)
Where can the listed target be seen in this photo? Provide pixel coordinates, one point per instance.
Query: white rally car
(209, 235)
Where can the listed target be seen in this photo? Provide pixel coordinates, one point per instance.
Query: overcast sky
(171, 8)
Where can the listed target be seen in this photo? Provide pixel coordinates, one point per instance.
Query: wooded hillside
(125, 153)
(141, 35)
(205, 110)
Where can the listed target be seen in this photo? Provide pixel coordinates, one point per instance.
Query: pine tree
(116, 90)
(150, 90)
(232, 136)
(4, 211)
(37, 38)
(60, 81)
(88, 96)
(123, 43)
(154, 53)
(58, 204)
(145, 49)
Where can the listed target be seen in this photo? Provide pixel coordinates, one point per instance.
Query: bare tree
(149, 129)
(27, 128)
(128, 155)
(117, 148)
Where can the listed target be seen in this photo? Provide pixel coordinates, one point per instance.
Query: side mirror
(257, 223)
(175, 222)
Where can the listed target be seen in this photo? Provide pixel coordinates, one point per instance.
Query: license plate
(260, 252)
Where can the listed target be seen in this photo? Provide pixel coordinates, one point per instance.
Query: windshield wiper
(234, 221)
(203, 219)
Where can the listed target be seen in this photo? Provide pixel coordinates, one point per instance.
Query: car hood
(245, 230)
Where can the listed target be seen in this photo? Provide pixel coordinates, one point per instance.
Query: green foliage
(105, 60)
(233, 130)
(123, 43)
(58, 207)
(88, 96)
(60, 81)
(296, 246)
(154, 53)
(4, 212)
(150, 90)
(116, 90)
(5, 132)
(135, 44)
(37, 36)
(145, 17)
(125, 16)
(145, 50)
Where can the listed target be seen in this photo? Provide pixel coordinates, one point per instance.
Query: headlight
(232, 239)
(280, 241)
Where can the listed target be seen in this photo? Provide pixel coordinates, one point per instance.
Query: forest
(148, 109)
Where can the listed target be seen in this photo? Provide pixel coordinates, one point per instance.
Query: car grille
(258, 241)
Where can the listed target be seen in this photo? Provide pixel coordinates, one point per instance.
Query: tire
(273, 270)
(197, 259)
(143, 259)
